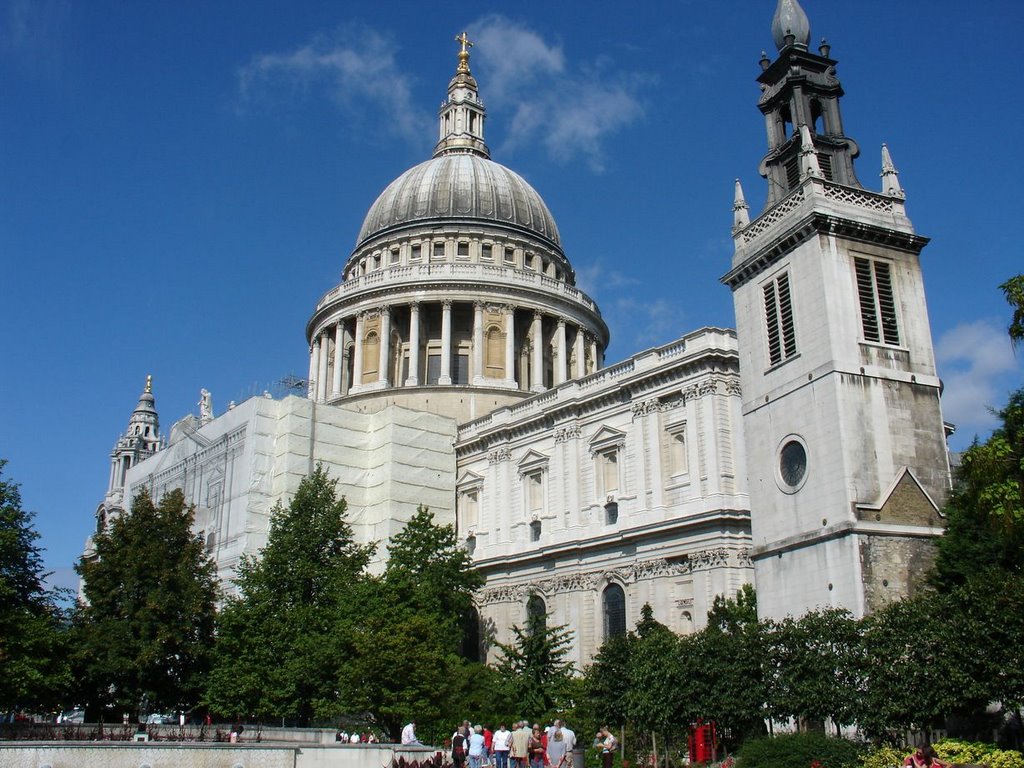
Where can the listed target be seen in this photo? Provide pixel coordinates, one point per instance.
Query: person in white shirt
(499, 745)
(409, 735)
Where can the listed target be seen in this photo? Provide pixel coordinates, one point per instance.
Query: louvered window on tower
(877, 301)
(778, 311)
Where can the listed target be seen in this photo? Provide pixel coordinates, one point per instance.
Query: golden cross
(465, 42)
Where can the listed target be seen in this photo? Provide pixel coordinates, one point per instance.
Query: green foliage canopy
(143, 638)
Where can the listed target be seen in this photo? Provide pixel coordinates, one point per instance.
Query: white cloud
(973, 359)
(570, 111)
(355, 66)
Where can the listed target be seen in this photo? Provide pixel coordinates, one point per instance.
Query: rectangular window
(608, 466)
(460, 369)
(394, 256)
(535, 491)
(469, 505)
(778, 311)
(510, 256)
(414, 253)
(463, 250)
(676, 459)
(485, 252)
(433, 369)
(439, 251)
(877, 301)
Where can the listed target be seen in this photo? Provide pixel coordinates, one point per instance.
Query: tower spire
(800, 88)
(462, 113)
(790, 25)
(740, 210)
(140, 441)
(890, 176)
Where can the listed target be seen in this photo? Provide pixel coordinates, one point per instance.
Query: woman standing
(476, 747)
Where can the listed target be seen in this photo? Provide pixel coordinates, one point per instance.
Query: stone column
(478, 343)
(559, 352)
(445, 378)
(321, 380)
(357, 363)
(581, 354)
(537, 366)
(510, 346)
(593, 352)
(314, 368)
(385, 345)
(414, 345)
(113, 474)
(339, 358)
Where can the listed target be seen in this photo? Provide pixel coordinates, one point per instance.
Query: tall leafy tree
(406, 662)
(814, 665)
(660, 692)
(985, 513)
(536, 674)
(607, 681)
(731, 653)
(32, 667)
(144, 634)
(283, 639)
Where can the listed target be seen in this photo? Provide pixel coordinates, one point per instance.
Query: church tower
(845, 442)
(140, 441)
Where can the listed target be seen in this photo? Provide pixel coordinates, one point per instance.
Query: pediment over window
(606, 438)
(468, 481)
(532, 461)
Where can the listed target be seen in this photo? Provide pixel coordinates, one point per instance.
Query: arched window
(371, 357)
(536, 613)
(614, 611)
(471, 641)
(494, 353)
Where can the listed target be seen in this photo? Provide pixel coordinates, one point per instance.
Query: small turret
(740, 210)
(140, 441)
(890, 176)
(462, 114)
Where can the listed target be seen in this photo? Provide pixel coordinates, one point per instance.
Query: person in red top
(924, 757)
(488, 744)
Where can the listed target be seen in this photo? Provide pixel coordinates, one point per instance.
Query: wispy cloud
(569, 110)
(973, 359)
(355, 66)
(33, 31)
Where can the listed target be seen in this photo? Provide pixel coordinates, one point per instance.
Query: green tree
(1013, 289)
(535, 672)
(607, 682)
(282, 641)
(144, 634)
(659, 693)
(406, 662)
(985, 513)
(726, 660)
(814, 665)
(32, 665)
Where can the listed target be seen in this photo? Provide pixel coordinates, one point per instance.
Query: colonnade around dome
(449, 343)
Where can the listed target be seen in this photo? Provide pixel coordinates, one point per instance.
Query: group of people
(549, 747)
(355, 737)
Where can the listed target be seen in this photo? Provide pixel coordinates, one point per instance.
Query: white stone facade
(238, 466)
(632, 477)
(457, 365)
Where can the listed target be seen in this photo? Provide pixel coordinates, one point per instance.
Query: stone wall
(169, 755)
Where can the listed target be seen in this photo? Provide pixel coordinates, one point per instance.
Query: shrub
(884, 757)
(799, 750)
(975, 752)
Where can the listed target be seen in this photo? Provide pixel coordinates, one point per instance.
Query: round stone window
(792, 465)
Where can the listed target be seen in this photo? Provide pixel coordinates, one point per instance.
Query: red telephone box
(703, 743)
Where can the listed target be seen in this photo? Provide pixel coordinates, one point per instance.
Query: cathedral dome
(463, 188)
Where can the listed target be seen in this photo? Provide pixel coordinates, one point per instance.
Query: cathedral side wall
(635, 486)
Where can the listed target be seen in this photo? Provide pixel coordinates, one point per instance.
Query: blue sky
(180, 182)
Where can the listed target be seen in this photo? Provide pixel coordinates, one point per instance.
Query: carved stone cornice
(496, 455)
(570, 432)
